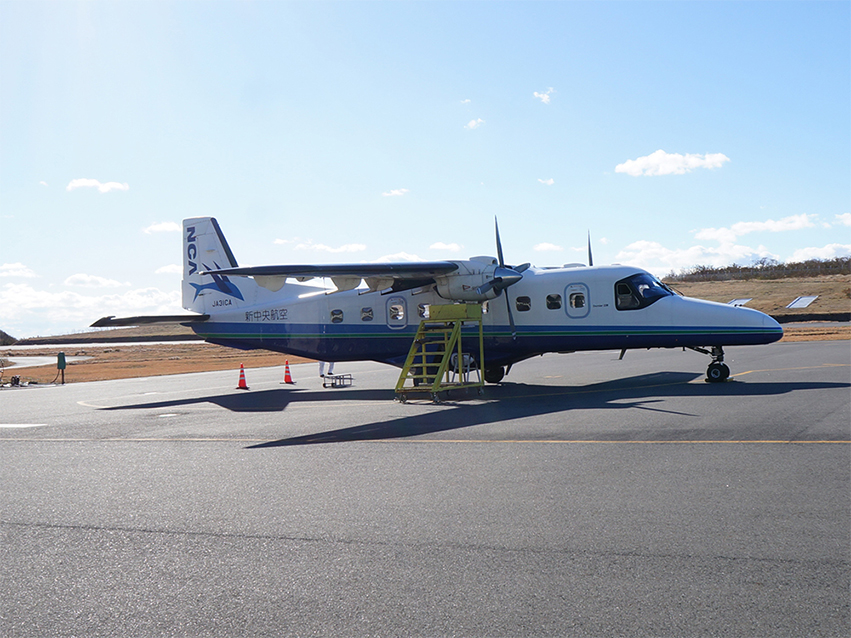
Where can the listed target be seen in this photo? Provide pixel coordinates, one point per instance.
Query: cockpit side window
(639, 291)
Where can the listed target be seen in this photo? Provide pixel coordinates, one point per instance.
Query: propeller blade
(510, 318)
(507, 277)
(486, 287)
(498, 244)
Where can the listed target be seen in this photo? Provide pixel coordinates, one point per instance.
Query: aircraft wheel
(717, 372)
(494, 375)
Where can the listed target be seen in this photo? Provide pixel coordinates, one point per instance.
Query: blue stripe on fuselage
(379, 343)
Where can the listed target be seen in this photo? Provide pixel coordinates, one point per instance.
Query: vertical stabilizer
(205, 248)
(590, 258)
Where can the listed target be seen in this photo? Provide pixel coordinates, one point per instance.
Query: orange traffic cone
(242, 385)
(288, 378)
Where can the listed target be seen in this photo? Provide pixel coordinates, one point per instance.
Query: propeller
(504, 276)
(502, 279)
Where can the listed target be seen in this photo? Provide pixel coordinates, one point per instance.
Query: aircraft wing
(399, 270)
(395, 276)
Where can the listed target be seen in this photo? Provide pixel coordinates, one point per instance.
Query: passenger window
(524, 304)
(366, 314)
(553, 302)
(397, 313)
(336, 316)
(578, 300)
(422, 310)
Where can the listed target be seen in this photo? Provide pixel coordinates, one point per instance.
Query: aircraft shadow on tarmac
(505, 402)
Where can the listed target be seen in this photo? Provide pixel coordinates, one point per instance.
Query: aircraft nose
(772, 323)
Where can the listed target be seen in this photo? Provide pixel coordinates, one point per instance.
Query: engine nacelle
(462, 284)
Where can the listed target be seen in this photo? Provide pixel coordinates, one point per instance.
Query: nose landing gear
(718, 371)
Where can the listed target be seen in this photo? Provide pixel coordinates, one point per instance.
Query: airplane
(375, 310)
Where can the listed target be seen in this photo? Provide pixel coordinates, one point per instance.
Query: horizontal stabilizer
(112, 322)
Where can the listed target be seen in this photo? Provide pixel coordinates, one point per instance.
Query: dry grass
(815, 332)
(771, 296)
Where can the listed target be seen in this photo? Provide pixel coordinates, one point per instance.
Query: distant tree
(766, 268)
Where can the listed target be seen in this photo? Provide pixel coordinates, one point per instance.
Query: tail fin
(590, 258)
(205, 248)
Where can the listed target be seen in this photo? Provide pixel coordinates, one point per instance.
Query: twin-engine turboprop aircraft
(376, 308)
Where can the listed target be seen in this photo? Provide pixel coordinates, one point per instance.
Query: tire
(717, 372)
(494, 375)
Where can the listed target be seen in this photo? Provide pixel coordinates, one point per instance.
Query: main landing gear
(718, 371)
(494, 374)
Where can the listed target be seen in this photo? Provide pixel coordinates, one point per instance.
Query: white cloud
(398, 192)
(729, 235)
(827, 252)
(397, 257)
(662, 163)
(345, 248)
(43, 183)
(603, 240)
(467, 101)
(544, 97)
(171, 269)
(92, 281)
(656, 258)
(474, 123)
(844, 219)
(450, 247)
(548, 182)
(163, 227)
(93, 183)
(16, 270)
(546, 247)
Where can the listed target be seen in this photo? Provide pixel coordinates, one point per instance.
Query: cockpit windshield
(639, 291)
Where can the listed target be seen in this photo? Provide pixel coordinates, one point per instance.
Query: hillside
(771, 296)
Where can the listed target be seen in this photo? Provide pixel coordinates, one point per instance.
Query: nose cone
(754, 326)
(770, 324)
(721, 324)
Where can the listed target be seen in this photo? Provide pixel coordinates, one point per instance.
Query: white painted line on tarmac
(22, 425)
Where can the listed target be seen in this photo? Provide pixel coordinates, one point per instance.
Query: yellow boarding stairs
(433, 364)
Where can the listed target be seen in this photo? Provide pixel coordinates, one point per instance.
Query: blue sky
(318, 132)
